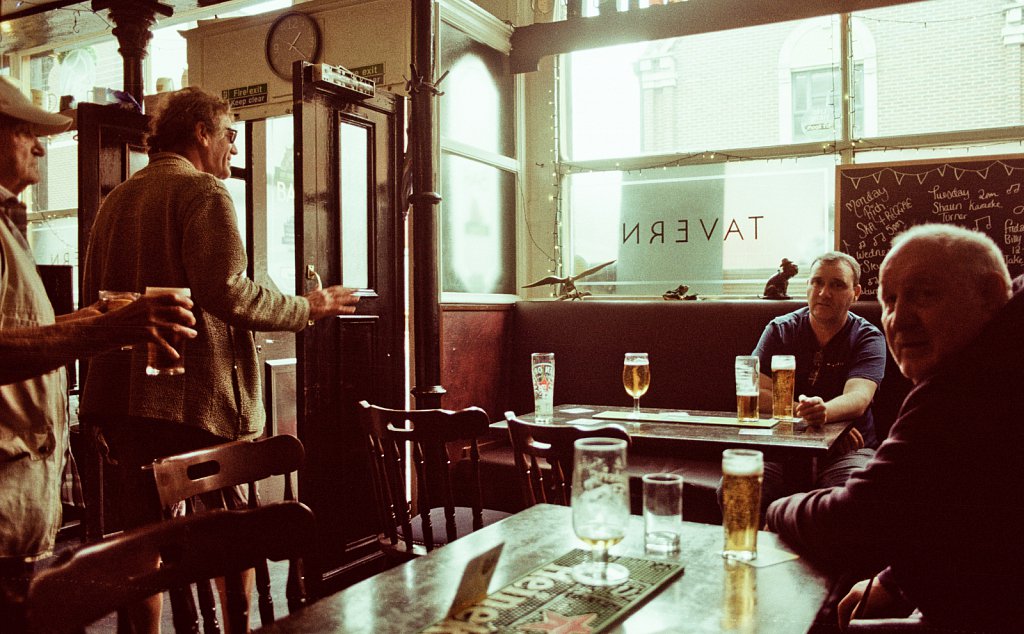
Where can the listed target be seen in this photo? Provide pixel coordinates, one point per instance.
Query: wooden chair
(185, 476)
(408, 532)
(532, 442)
(118, 571)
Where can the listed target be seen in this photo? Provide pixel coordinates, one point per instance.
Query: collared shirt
(33, 415)
(856, 351)
(12, 212)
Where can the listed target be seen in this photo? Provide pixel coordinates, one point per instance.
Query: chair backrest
(232, 463)
(118, 571)
(532, 442)
(428, 431)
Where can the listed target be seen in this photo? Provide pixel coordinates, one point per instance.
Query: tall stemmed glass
(600, 507)
(636, 377)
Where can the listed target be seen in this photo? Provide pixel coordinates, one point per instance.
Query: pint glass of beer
(542, 369)
(159, 361)
(748, 387)
(783, 378)
(742, 473)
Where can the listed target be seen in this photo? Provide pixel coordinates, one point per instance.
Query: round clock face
(293, 36)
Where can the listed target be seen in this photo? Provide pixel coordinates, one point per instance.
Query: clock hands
(292, 46)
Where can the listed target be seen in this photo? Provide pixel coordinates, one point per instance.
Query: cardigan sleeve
(215, 264)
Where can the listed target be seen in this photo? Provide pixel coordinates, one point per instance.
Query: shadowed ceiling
(26, 24)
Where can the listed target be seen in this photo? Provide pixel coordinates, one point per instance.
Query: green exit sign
(246, 95)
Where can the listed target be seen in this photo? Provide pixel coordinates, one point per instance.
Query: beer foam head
(783, 362)
(742, 462)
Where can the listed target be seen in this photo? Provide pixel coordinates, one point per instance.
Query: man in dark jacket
(935, 516)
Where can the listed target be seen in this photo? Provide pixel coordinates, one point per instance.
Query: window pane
(730, 89)
(355, 206)
(236, 187)
(716, 228)
(167, 59)
(476, 107)
(478, 227)
(945, 65)
(281, 204)
(58, 188)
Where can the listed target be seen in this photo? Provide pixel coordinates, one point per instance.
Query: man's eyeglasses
(231, 134)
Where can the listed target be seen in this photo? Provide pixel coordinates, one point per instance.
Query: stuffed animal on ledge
(778, 284)
(567, 289)
(679, 292)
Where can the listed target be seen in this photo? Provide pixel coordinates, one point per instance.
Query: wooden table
(710, 596)
(784, 441)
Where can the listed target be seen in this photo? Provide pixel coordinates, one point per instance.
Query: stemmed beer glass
(636, 377)
(600, 507)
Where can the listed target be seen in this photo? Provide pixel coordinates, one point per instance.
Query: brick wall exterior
(941, 65)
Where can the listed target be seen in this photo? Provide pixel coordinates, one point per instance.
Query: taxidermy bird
(568, 288)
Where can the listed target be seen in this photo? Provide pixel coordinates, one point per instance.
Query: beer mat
(755, 432)
(683, 417)
(771, 556)
(575, 410)
(548, 600)
(583, 421)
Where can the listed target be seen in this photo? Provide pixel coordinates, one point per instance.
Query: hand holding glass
(636, 377)
(600, 507)
(159, 361)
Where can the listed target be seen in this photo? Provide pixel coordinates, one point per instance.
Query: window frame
(846, 146)
(489, 31)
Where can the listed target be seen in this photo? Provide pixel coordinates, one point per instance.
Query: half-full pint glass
(742, 473)
(159, 361)
(783, 379)
(748, 387)
(542, 368)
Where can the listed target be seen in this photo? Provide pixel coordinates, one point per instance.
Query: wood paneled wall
(474, 355)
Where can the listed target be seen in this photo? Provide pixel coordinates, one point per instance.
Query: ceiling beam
(533, 42)
(38, 8)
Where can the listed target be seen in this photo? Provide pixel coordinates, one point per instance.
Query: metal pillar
(425, 244)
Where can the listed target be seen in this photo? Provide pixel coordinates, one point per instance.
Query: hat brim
(43, 123)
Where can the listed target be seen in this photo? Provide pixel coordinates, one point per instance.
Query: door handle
(312, 275)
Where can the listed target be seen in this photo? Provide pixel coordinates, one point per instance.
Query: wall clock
(292, 36)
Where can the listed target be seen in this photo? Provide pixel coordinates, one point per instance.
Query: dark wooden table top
(785, 438)
(710, 596)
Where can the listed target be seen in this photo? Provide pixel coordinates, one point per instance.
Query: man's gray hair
(173, 126)
(975, 253)
(833, 257)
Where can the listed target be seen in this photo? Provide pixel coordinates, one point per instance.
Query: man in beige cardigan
(172, 224)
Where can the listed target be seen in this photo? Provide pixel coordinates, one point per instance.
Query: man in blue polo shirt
(840, 361)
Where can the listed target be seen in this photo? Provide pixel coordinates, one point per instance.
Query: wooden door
(348, 225)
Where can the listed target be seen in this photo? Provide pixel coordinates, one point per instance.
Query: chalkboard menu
(874, 202)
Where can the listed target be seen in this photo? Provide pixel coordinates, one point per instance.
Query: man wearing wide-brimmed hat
(34, 347)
